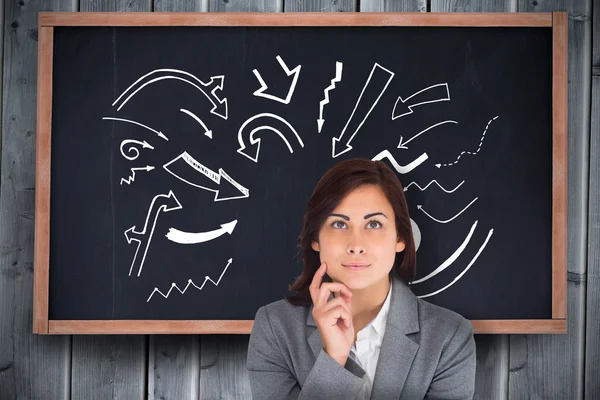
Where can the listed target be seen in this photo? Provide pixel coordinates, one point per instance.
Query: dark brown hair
(331, 189)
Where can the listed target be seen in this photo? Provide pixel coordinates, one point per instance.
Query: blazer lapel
(397, 350)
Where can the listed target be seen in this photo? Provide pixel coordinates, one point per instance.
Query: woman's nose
(356, 246)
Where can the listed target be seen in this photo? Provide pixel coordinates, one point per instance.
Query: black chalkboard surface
(183, 158)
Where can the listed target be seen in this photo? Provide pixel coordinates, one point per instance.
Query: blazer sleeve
(454, 378)
(271, 378)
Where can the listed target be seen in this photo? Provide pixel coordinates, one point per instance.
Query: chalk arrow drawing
(450, 259)
(208, 89)
(431, 94)
(181, 237)
(399, 168)
(374, 87)
(260, 92)
(403, 145)
(469, 152)
(180, 166)
(190, 283)
(159, 133)
(430, 183)
(267, 122)
(132, 177)
(490, 233)
(161, 202)
(338, 77)
(207, 132)
(133, 149)
(420, 207)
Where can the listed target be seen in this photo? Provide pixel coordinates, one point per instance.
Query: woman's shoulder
(443, 320)
(283, 314)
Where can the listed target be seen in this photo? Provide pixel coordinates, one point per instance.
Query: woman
(354, 330)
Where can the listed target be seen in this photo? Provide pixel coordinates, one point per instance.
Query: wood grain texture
(551, 366)
(245, 6)
(180, 5)
(41, 274)
(31, 366)
(223, 373)
(296, 19)
(174, 367)
(559, 164)
(473, 6)
(319, 5)
(109, 367)
(592, 348)
(393, 6)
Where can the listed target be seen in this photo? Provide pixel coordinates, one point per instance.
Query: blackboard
(182, 159)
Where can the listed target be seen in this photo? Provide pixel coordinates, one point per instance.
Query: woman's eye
(374, 224)
(335, 224)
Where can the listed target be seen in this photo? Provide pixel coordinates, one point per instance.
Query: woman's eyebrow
(348, 218)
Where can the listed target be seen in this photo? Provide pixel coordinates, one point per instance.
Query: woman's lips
(356, 266)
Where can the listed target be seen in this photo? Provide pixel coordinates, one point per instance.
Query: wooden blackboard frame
(48, 20)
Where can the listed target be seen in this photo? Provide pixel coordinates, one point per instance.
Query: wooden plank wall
(213, 366)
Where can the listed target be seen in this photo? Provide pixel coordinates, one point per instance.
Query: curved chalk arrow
(432, 94)
(208, 89)
(132, 149)
(207, 132)
(420, 207)
(177, 236)
(450, 259)
(159, 133)
(189, 161)
(261, 122)
(169, 203)
(490, 233)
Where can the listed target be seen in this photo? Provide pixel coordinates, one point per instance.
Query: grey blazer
(427, 352)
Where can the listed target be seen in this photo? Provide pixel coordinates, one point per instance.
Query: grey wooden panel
(223, 373)
(393, 5)
(548, 367)
(174, 366)
(473, 5)
(245, 5)
(31, 366)
(180, 5)
(551, 366)
(592, 350)
(109, 367)
(492, 350)
(319, 5)
(115, 5)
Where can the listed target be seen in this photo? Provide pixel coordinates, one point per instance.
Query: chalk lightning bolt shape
(338, 77)
(132, 177)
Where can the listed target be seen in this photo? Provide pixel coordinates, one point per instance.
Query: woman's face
(362, 228)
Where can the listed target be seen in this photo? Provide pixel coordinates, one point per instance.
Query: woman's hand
(333, 318)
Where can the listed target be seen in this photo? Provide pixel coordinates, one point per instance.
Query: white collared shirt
(368, 343)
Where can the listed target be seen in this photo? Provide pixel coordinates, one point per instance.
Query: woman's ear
(400, 246)
(315, 246)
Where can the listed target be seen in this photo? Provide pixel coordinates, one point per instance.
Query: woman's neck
(366, 303)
